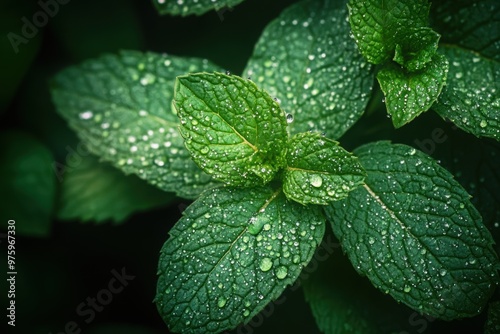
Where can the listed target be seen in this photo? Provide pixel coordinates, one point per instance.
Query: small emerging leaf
(307, 60)
(232, 252)
(408, 94)
(235, 131)
(417, 49)
(378, 26)
(319, 171)
(120, 106)
(190, 7)
(471, 97)
(414, 233)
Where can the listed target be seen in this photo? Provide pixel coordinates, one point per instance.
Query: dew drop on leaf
(281, 272)
(86, 115)
(289, 118)
(221, 302)
(316, 180)
(266, 264)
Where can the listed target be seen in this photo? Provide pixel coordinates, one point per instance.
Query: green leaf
(307, 60)
(232, 252)
(414, 233)
(470, 24)
(471, 97)
(492, 326)
(28, 184)
(408, 94)
(189, 7)
(120, 106)
(417, 49)
(97, 191)
(319, 171)
(378, 26)
(235, 131)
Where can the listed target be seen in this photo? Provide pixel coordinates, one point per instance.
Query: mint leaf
(378, 26)
(319, 171)
(307, 60)
(414, 233)
(120, 106)
(408, 94)
(28, 181)
(189, 7)
(471, 99)
(417, 48)
(470, 24)
(97, 191)
(235, 131)
(232, 252)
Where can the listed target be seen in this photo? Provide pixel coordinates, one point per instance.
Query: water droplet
(371, 241)
(228, 72)
(407, 288)
(442, 272)
(204, 150)
(483, 124)
(316, 180)
(86, 115)
(221, 302)
(256, 223)
(266, 264)
(289, 118)
(281, 272)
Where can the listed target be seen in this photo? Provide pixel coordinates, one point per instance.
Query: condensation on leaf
(214, 273)
(308, 61)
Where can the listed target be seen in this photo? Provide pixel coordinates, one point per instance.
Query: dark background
(57, 273)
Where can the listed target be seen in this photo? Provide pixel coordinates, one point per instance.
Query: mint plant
(260, 156)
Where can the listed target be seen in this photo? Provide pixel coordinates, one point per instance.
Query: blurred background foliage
(68, 238)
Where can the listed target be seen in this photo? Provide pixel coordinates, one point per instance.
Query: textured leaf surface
(378, 26)
(96, 191)
(120, 106)
(408, 94)
(235, 131)
(307, 60)
(28, 184)
(470, 24)
(414, 233)
(190, 7)
(417, 49)
(471, 97)
(319, 171)
(232, 252)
